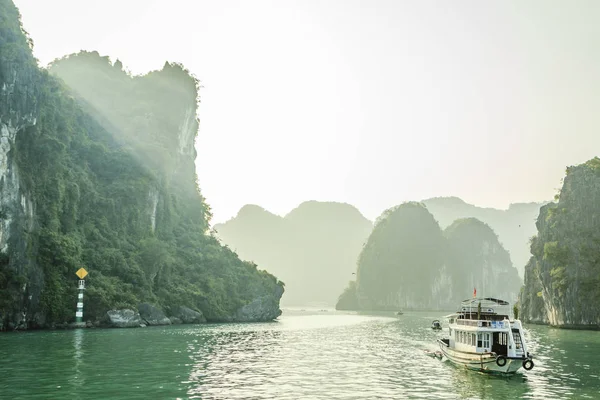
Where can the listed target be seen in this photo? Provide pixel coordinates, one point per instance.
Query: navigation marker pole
(81, 273)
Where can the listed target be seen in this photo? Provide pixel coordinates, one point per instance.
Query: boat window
(486, 340)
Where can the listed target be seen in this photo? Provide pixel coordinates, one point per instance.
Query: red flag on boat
(474, 292)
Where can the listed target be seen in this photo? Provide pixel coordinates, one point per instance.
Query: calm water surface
(304, 355)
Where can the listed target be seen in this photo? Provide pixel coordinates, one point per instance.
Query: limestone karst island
(299, 200)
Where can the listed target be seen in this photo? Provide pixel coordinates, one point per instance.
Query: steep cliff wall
(531, 301)
(564, 271)
(98, 171)
(20, 277)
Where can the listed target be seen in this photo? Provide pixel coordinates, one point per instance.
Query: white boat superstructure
(483, 338)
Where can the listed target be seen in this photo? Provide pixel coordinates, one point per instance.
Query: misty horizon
(374, 218)
(369, 105)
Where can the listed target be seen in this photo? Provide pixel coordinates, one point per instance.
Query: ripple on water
(333, 356)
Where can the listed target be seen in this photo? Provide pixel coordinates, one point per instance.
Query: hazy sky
(367, 102)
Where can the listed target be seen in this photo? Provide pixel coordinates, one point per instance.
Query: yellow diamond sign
(81, 273)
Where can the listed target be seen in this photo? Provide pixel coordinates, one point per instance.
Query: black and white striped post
(81, 273)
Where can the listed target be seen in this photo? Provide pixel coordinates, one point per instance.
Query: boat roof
(484, 301)
(453, 315)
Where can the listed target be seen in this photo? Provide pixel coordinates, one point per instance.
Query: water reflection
(565, 365)
(370, 357)
(77, 380)
(230, 361)
(479, 385)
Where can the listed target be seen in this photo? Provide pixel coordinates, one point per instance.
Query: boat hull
(479, 362)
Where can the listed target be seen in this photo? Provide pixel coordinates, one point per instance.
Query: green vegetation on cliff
(562, 280)
(108, 167)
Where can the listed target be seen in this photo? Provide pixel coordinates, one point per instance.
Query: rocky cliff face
(409, 263)
(562, 280)
(97, 170)
(19, 82)
(531, 302)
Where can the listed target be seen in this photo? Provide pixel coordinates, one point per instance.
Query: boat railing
(482, 323)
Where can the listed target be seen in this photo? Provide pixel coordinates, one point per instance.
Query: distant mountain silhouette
(313, 249)
(514, 226)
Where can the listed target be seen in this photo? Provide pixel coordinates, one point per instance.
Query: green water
(312, 355)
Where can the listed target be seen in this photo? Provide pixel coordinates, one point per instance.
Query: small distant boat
(483, 338)
(399, 313)
(435, 325)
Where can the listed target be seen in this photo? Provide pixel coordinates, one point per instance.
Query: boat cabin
(483, 337)
(482, 326)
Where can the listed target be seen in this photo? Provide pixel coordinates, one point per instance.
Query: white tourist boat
(483, 338)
